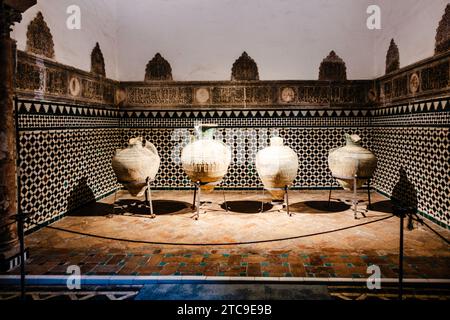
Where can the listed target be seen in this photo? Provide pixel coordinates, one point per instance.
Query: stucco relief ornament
(244, 68)
(333, 68)
(158, 69)
(39, 38)
(97, 61)
(392, 57)
(443, 33)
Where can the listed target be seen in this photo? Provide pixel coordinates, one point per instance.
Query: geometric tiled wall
(416, 140)
(66, 151)
(65, 158)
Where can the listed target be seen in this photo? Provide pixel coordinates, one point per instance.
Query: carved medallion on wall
(120, 96)
(392, 58)
(97, 61)
(158, 69)
(288, 94)
(372, 95)
(244, 68)
(74, 86)
(333, 68)
(443, 33)
(39, 38)
(202, 95)
(414, 83)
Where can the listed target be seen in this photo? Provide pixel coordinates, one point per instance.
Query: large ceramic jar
(134, 164)
(277, 166)
(350, 160)
(206, 160)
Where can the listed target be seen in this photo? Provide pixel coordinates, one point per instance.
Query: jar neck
(351, 143)
(276, 142)
(205, 133)
(352, 140)
(135, 142)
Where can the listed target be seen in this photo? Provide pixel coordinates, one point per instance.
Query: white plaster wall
(202, 38)
(412, 24)
(73, 47)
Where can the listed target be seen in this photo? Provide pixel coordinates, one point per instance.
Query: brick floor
(342, 253)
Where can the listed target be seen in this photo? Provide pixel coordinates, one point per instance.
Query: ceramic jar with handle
(135, 164)
(205, 159)
(277, 166)
(352, 160)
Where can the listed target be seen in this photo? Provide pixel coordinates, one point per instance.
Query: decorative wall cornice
(243, 94)
(428, 78)
(48, 80)
(41, 78)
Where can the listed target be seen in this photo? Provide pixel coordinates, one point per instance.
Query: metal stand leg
(195, 195)
(355, 200)
(225, 200)
(148, 198)
(197, 214)
(111, 215)
(22, 254)
(329, 195)
(368, 194)
(287, 200)
(262, 201)
(400, 262)
(199, 200)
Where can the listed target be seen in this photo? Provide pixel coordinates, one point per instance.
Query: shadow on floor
(160, 207)
(93, 209)
(318, 207)
(246, 206)
(82, 202)
(382, 206)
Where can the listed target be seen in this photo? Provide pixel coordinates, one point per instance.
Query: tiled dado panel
(65, 157)
(66, 151)
(415, 138)
(311, 136)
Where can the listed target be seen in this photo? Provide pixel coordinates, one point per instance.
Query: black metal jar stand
(354, 200)
(285, 203)
(148, 197)
(197, 196)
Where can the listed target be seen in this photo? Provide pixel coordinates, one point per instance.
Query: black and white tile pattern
(66, 151)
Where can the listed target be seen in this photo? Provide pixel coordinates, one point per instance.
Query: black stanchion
(21, 232)
(400, 260)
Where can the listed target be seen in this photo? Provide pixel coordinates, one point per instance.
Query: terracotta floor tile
(343, 241)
